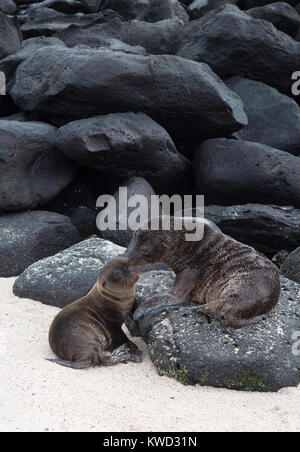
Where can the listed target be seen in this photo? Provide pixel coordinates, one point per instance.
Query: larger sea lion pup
(228, 278)
(88, 332)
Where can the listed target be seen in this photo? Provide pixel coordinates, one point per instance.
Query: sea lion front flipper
(127, 352)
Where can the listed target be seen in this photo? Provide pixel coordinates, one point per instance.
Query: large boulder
(183, 96)
(273, 118)
(157, 38)
(126, 8)
(185, 344)
(8, 7)
(9, 64)
(61, 279)
(199, 8)
(232, 171)
(268, 229)
(234, 43)
(10, 36)
(30, 236)
(168, 9)
(136, 186)
(40, 23)
(125, 145)
(32, 170)
(282, 15)
(291, 266)
(62, 6)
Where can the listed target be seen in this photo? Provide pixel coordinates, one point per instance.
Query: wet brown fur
(226, 277)
(86, 332)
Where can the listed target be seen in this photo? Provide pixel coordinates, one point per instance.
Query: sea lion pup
(228, 278)
(88, 332)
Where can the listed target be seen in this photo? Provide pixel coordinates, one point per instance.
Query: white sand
(36, 395)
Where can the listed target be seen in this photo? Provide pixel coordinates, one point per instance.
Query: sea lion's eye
(117, 275)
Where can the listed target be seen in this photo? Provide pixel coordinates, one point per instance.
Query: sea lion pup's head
(117, 278)
(150, 245)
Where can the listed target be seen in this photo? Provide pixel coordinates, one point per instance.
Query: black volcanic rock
(8, 7)
(198, 8)
(231, 172)
(9, 64)
(126, 8)
(125, 145)
(282, 15)
(267, 228)
(135, 186)
(234, 43)
(32, 170)
(291, 266)
(10, 36)
(185, 344)
(27, 237)
(62, 6)
(273, 118)
(160, 10)
(183, 96)
(157, 38)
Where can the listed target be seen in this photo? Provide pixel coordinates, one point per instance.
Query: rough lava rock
(125, 145)
(183, 96)
(10, 36)
(233, 43)
(291, 266)
(27, 237)
(61, 279)
(62, 6)
(136, 186)
(9, 64)
(185, 344)
(157, 38)
(282, 15)
(198, 8)
(168, 9)
(232, 171)
(273, 118)
(32, 170)
(267, 228)
(126, 8)
(8, 7)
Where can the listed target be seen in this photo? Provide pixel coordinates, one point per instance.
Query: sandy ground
(36, 395)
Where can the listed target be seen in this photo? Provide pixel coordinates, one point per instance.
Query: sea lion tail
(81, 364)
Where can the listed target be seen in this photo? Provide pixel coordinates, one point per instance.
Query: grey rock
(273, 118)
(124, 145)
(161, 86)
(30, 236)
(233, 43)
(9, 64)
(126, 8)
(291, 266)
(247, 4)
(157, 38)
(168, 9)
(199, 8)
(32, 170)
(135, 186)
(184, 344)
(59, 280)
(231, 172)
(8, 7)
(282, 15)
(267, 228)
(10, 36)
(62, 6)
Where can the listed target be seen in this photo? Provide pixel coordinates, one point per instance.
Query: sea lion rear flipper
(127, 352)
(81, 364)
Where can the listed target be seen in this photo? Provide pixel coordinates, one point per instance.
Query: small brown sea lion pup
(88, 332)
(228, 278)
